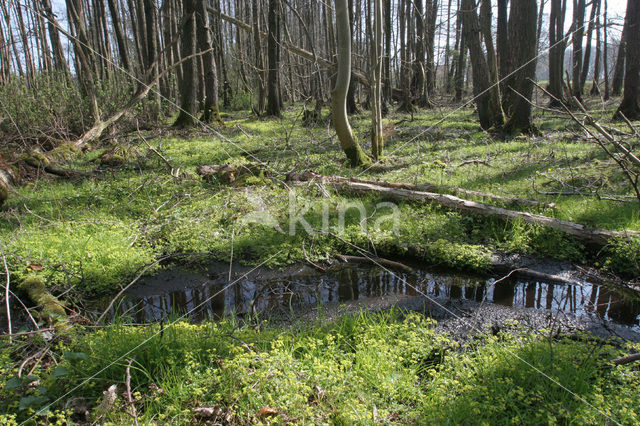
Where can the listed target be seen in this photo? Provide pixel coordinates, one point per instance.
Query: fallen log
(374, 260)
(306, 176)
(66, 173)
(599, 237)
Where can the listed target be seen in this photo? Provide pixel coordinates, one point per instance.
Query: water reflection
(209, 298)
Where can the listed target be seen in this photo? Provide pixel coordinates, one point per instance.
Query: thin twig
(125, 288)
(7, 290)
(129, 398)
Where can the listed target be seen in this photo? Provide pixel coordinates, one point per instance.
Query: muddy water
(207, 294)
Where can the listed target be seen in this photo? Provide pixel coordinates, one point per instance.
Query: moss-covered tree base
(184, 120)
(356, 156)
(211, 115)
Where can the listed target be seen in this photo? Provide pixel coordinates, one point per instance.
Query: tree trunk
(388, 85)
(274, 105)
(419, 65)
(618, 73)
(352, 107)
(630, 105)
(349, 144)
(376, 52)
(595, 4)
(558, 44)
(487, 98)
(522, 41)
(189, 83)
(595, 89)
(59, 60)
(502, 40)
(576, 44)
(211, 111)
(605, 54)
(259, 63)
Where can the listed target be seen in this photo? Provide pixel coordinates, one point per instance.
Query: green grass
(96, 233)
(369, 368)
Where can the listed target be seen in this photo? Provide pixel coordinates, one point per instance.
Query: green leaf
(75, 356)
(32, 401)
(60, 371)
(15, 383)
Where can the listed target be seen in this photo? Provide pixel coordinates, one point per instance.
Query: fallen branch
(375, 261)
(474, 161)
(599, 237)
(626, 359)
(66, 173)
(306, 176)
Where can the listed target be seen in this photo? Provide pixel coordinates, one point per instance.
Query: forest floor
(95, 233)
(91, 235)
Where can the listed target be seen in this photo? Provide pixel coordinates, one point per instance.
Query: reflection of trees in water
(353, 283)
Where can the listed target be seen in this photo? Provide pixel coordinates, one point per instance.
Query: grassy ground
(95, 233)
(363, 369)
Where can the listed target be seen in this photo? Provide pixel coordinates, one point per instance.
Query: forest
(319, 212)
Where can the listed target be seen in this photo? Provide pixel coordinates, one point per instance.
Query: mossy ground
(390, 368)
(96, 233)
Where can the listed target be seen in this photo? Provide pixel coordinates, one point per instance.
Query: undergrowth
(389, 367)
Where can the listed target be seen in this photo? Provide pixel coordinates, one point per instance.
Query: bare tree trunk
(352, 106)
(630, 105)
(259, 62)
(388, 84)
(576, 44)
(348, 142)
(123, 52)
(558, 44)
(618, 73)
(59, 60)
(81, 47)
(376, 50)
(273, 49)
(595, 4)
(487, 98)
(211, 111)
(460, 68)
(605, 54)
(522, 41)
(595, 89)
(189, 83)
(502, 40)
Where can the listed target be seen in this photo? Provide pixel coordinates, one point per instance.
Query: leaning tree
(348, 142)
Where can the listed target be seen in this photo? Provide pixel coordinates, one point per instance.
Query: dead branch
(134, 414)
(626, 359)
(429, 187)
(376, 261)
(598, 237)
(474, 161)
(66, 173)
